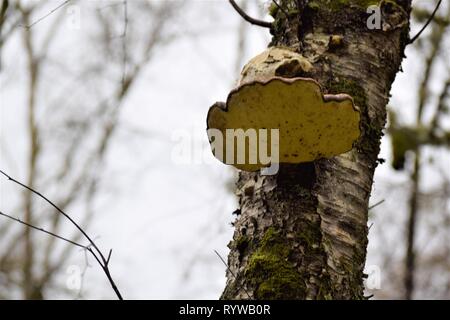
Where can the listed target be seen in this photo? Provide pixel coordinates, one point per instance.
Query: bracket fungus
(269, 119)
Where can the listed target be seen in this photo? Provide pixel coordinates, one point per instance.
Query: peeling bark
(302, 234)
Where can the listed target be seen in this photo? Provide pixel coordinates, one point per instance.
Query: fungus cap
(275, 62)
(310, 125)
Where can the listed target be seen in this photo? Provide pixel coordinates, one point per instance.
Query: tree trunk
(302, 234)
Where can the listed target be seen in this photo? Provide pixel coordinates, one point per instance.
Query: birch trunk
(302, 234)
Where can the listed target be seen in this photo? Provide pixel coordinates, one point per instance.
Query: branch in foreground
(426, 24)
(247, 18)
(43, 230)
(95, 251)
(231, 272)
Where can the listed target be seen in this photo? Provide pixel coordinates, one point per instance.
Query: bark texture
(302, 234)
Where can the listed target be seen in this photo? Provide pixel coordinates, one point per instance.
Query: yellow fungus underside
(311, 125)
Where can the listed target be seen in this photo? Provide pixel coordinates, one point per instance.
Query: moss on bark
(271, 272)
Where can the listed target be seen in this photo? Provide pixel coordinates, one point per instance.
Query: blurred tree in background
(419, 150)
(73, 108)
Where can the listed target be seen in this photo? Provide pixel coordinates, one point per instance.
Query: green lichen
(314, 5)
(355, 281)
(352, 88)
(274, 276)
(324, 290)
(270, 270)
(241, 244)
(293, 12)
(273, 10)
(310, 237)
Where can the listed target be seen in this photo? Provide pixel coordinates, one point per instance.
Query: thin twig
(124, 42)
(376, 204)
(109, 256)
(43, 230)
(247, 18)
(54, 206)
(46, 15)
(426, 24)
(102, 261)
(232, 273)
(440, 106)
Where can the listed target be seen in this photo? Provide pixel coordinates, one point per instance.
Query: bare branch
(45, 16)
(426, 24)
(249, 19)
(109, 256)
(441, 106)
(232, 273)
(436, 39)
(376, 204)
(124, 42)
(43, 230)
(101, 259)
